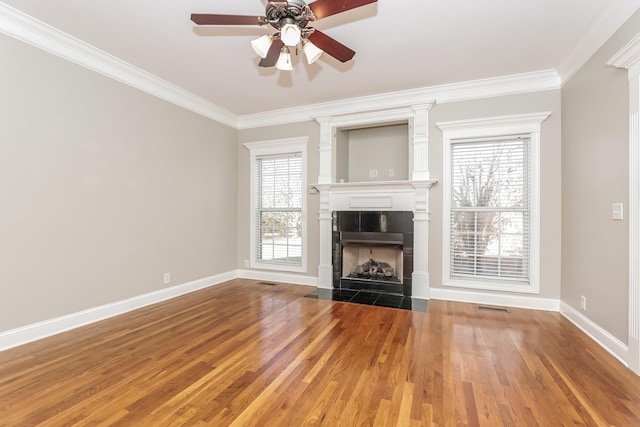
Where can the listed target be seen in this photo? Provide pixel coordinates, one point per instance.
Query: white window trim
(498, 126)
(267, 148)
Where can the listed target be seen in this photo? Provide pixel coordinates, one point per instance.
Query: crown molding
(464, 91)
(628, 58)
(25, 28)
(608, 21)
(528, 122)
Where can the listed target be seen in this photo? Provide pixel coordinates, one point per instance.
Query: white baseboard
(25, 334)
(607, 341)
(16, 337)
(278, 277)
(603, 338)
(518, 301)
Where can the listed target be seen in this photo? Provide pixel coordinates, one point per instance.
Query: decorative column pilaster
(326, 151)
(629, 58)
(420, 142)
(421, 219)
(421, 215)
(634, 225)
(325, 178)
(325, 268)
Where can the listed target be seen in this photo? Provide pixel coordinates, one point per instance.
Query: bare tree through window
(489, 209)
(279, 208)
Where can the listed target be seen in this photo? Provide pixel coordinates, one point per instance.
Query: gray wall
(550, 179)
(380, 148)
(342, 155)
(595, 174)
(103, 189)
(309, 129)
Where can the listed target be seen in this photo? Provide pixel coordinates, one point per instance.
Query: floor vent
(489, 308)
(267, 283)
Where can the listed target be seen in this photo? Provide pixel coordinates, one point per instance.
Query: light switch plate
(617, 211)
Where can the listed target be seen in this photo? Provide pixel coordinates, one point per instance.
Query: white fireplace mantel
(378, 196)
(411, 195)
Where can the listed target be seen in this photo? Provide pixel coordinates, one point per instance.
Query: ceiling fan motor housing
(280, 13)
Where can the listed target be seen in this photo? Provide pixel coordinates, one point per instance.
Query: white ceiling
(399, 44)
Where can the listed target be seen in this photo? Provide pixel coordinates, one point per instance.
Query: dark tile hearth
(370, 298)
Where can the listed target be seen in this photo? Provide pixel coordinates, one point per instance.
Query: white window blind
(490, 209)
(279, 209)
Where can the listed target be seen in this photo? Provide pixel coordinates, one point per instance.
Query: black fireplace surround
(373, 231)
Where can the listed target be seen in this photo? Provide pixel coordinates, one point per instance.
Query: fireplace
(373, 251)
(372, 256)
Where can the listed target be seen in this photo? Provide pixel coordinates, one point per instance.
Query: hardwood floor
(244, 354)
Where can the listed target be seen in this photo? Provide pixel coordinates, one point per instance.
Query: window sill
(279, 267)
(486, 285)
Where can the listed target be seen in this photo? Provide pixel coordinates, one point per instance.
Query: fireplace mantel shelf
(374, 195)
(374, 186)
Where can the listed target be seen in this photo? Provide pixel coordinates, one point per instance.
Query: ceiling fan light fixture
(311, 51)
(261, 45)
(284, 60)
(290, 33)
(290, 19)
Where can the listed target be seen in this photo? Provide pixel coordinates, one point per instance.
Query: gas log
(373, 268)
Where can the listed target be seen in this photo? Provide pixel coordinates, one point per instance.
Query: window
(491, 203)
(278, 205)
(489, 213)
(279, 208)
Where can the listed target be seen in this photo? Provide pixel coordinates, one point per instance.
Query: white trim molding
(21, 26)
(607, 22)
(603, 338)
(607, 341)
(491, 298)
(269, 276)
(25, 334)
(484, 128)
(536, 81)
(412, 195)
(275, 147)
(25, 28)
(629, 58)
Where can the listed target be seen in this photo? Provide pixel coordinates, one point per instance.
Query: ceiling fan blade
(331, 46)
(213, 19)
(272, 55)
(323, 8)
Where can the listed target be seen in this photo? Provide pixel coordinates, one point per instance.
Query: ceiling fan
(290, 19)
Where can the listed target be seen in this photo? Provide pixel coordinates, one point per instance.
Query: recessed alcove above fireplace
(378, 153)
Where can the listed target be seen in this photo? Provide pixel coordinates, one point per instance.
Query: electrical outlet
(167, 278)
(373, 173)
(246, 263)
(583, 302)
(392, 173)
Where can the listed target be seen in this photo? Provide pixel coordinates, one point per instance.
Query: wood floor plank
(246, 354)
